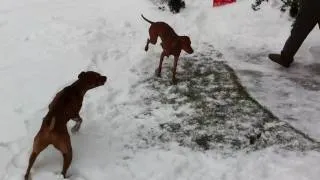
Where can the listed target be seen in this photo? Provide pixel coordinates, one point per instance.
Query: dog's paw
(157, 72)
(146, 47)
(74, 132)
(60, 176)
(174, 81)
(75, 129)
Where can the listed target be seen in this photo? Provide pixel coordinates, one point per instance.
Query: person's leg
(318, 10)
(319, 14)
(305, 22)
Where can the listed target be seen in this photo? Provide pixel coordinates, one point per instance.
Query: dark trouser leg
(318, 10)
(305, 22)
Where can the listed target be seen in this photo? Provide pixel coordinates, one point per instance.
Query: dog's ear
(81, 75)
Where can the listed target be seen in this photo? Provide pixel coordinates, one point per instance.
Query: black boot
(280, 59)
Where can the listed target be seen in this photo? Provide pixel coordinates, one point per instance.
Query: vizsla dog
(65, 106)
(172, 44)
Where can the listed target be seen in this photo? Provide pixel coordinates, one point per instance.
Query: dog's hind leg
(63, 144)
(32, 158)
(67, 158)
(39, 145)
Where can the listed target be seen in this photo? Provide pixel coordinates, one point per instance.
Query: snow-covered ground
(46, 43)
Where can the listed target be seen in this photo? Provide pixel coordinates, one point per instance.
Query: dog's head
(92, 79)
(186, 44)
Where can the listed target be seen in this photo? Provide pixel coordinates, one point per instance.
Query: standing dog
(172, 44)
(65, 106)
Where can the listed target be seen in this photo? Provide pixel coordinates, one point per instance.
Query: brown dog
(172, 44)
(65, 106)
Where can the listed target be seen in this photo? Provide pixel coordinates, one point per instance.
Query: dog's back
(161, 29)
(65, 104)
(69, 100)
(165, 31)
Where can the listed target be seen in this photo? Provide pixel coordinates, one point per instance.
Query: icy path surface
(46, 43)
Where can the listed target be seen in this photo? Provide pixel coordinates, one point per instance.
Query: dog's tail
(52, 123)
(146, 19)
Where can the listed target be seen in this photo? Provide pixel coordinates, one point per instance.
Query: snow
(46, 43)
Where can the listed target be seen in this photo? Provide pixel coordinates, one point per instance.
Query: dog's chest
(74, 106)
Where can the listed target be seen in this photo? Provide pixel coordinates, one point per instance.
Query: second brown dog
(172, 44)
(65, 106)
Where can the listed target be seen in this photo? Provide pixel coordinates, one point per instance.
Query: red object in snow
(222, 2)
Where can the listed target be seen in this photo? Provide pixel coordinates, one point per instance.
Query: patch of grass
(223, 115)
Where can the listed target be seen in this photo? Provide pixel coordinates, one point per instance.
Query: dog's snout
(190, 51)
(104, 79)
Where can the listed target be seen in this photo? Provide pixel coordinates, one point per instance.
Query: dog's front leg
(158, 70)
(174, 70)
(147, 45)
(76, 127)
